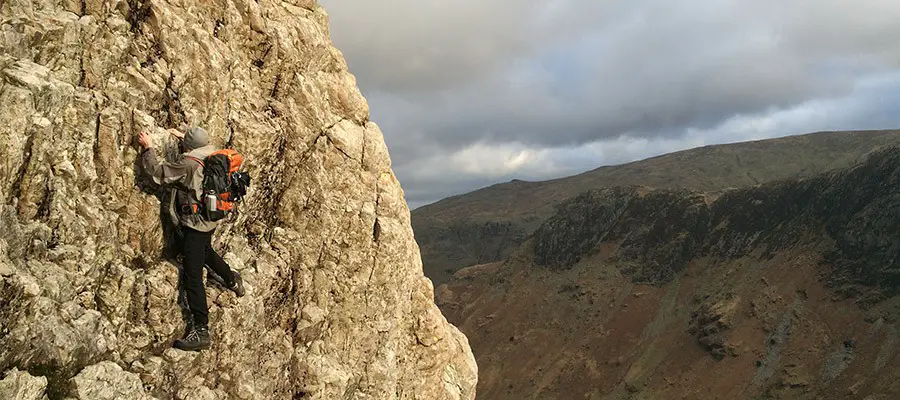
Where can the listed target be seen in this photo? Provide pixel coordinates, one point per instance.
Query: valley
(781, 290)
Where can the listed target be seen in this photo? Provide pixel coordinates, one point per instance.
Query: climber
(185, 177)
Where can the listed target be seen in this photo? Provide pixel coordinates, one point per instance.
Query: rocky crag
(784, 290)
(337, 304)
(488, 225)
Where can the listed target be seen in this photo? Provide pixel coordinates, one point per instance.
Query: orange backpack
(223, 183)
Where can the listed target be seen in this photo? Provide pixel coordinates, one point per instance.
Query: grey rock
(337, 304)
(107, 381)
(20, 385)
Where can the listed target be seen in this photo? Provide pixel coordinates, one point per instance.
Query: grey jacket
(184, 177)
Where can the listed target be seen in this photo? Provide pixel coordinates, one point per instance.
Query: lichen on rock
(337, 305)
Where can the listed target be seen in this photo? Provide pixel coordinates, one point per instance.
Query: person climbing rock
(185, 177)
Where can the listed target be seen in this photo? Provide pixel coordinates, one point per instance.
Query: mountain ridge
(486, 225)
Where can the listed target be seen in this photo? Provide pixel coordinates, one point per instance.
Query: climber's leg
(194, 249)
(233, 280)
(218, 265)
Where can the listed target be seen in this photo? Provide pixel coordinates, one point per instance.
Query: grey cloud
(416, 46)
(444, 75)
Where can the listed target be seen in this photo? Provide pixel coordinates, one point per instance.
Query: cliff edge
(337, 304)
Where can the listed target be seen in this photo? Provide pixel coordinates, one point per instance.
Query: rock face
(783, 290)
(337, 305)
(662, 231)
(20, 385)
(490, 224)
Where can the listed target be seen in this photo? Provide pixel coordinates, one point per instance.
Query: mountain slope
(786, 290)
(488, 224)
(337, 305)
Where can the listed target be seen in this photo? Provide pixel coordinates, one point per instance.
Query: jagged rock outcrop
(337, 305)
(710, 323)
(579, 225)
(20, 385)
(107, 381)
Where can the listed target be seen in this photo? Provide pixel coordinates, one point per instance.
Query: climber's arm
(164, 173)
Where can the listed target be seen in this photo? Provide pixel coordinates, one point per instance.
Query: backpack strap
(192, 208)
(199, 161)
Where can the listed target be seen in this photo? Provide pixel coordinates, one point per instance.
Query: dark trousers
(197, 250)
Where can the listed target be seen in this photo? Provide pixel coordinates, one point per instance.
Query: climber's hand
(145, 140)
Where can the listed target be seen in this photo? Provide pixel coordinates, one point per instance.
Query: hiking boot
(197, 339)
(188, 328)
(237, 284)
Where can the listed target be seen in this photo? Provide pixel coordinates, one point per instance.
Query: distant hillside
(488, 224)
(787, 290)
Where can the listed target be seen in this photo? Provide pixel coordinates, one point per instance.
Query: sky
(471, 93)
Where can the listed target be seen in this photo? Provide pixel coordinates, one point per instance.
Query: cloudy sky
(475, 92)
